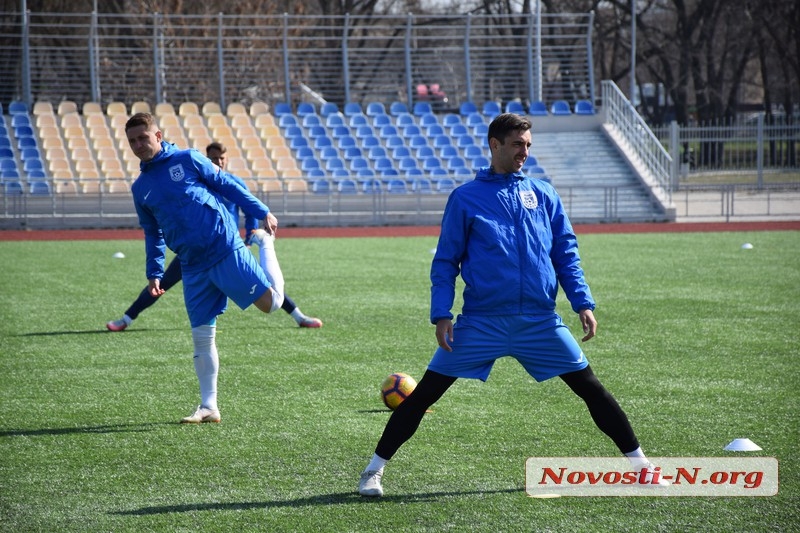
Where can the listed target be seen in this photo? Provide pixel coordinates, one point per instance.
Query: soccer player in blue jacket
(178, 198)
(216, 152)
(509, 238)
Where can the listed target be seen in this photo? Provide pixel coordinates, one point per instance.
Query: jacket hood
(488, 174)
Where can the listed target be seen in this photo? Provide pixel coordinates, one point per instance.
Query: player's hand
(589, 324)
(271, 224)
(444, 333)
(155, 287)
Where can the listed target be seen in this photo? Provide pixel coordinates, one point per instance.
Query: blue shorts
(238, 277)
(543, 346)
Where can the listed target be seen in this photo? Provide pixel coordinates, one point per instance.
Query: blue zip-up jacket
(510, 239)
(178, 197)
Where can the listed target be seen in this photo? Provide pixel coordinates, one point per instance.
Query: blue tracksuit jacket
(178, 199)
(510, 239)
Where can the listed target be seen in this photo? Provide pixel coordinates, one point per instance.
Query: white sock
(297, 315)
(206, 364)
(128, 320)
(269, 263)
(637, 457)
(377, 463)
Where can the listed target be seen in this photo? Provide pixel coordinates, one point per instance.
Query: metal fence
(231, 58)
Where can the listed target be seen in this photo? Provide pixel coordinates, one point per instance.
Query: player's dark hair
(140, 119)
(505, 123)
(218, 146)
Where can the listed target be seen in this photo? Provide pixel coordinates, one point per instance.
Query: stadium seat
(393, 142)
(584, 107)
(328, 108)
(515, 106)
(281, 109)
(67, 106)
(491, 109)
(236, 108)
(42, 107)
(422, 108)
(20, 119)
(370, 141)
(161, 109)
(479, 162)
(401, 152)
(118, 108)
(445, 185)
(364, 131)
(347, 186)
(396, 186)
(139, 107)
(352, 108)
(405, 119)
(421, 185)
(407, 163)
(334, 119)
(429, 163)
(383, 163)
(450, 120)
(467, 108)
(417, 141)
(309, 164)
(428, 120)
(12, 188)
(211, 108)
(375, 108)
(388, 131)
(306, 108)
(352, 153)
(464, 141)
(40, 188)
(258, 108)
(380, 121)
(377, 151)
(560, 107)
(371, 186)
(358, 119)
(16, 107)
(397, 108)
(538, 108)
(411, 130)
(317, 131)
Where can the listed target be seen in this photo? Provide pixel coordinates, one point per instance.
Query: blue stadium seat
(305, 109)
(334, 163)
(428, 120)
(448, 151)
(284, 121)
(17, 107)
(359, 163)
(383, 163)
(396, 186)
(467, 108)
(389, 173)
(7, 164)
(282, 108)
(37, 175)
(480, 131)
(347, 186)
(396, 108)
(20, 119)
(408, 131)
(339, 131)
(339, 173)
(352, 152)
(6, 152)
(401, 152)
(560, 107)
(388, 131)
(491, 109)
(450, 120)
(534, 171)
(459, 130)
(429, 163)
(424, 151)
(377, 151)
(328, 152)
(12, 188)
(441, 140)
(471, 152)
(417, 141)
(9, 174)
(320, 186)
(375, 108)
(455, 163)
(584, 107)
(352, 108)
(422, 186)
(309, 164)
(475, 119)
(531, 161)
(405, 119)
(32, 164)
(40, 188)
(381, 120)
(445, 185)
(322, 142)
(311, 120)
(335, 119)
(346, 141)
(465, 140)
(407, 163)
(295, 143)
(479, 162)
(439, 171)
(358, 119)
(30, 153)
(538, 109)
(413, 173)
(364, 131)
(316, 173)
(304, 152)
(364, 173)
(371, 185)
(434, 130)
(22, 133)
(317, 131)
(370, 141)
(422, 108)
(515, 107)
(393, 142)
(328, 108)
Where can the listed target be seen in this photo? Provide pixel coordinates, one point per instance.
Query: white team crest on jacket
(176, 173)
(529, 200)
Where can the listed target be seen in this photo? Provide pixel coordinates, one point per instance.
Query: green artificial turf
(697, 340)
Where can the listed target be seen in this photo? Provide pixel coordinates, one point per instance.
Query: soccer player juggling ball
(178, 200)
(509, 238)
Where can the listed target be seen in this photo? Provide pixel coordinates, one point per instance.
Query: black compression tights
(604, 409)
(606, 412)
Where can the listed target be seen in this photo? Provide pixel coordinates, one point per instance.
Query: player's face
(145, 142)
(218, 158)
(509, 156)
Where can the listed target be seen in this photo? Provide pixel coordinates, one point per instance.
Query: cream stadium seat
(43, 108)
(295, 184)
(236, 108)
(118, 187)
(56, 165)
(103, 142)
(214, 121)
(140, 107)
(249, 142)
(71, 120)
(65, 186)
(259, 108)
(271, 185)
(275, 142)
(188, 108)
(193, 121)
(91, 108)
(49, 132)
(211, 108)
(281, 153)
(117, 108)
(165, 121)
(164, 109)
(66, 107)
(81, 153)
(91, 186)
(241, 121)
(255, 153)
(45, 120)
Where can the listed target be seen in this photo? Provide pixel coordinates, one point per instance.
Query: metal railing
(232, 58)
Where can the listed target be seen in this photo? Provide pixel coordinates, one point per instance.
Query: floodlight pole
(633, 50)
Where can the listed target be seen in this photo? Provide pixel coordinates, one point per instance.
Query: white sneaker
(201, 416)
(370, 484)
(650, 476)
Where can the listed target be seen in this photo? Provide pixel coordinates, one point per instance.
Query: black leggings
(604, 409)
